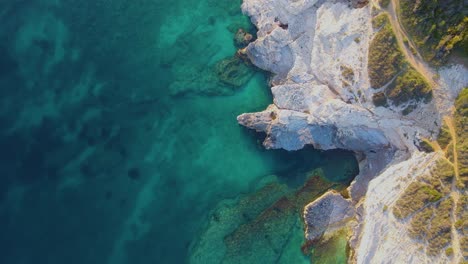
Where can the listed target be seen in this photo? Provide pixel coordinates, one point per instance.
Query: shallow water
(118, 138)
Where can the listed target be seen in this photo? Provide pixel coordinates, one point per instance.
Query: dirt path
(454, 193)
(453, 134)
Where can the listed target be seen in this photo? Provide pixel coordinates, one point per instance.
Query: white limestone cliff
(308, 45)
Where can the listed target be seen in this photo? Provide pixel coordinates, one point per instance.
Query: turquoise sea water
(120, 143)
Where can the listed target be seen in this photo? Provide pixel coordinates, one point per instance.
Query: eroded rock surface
(318, 53)
(326, 214)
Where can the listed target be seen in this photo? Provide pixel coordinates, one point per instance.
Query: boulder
(326, 214)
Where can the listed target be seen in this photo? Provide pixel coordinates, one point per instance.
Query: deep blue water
(118, 135)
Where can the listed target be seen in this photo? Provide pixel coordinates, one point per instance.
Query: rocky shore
(317, 52)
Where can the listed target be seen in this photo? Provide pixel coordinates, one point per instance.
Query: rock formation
(326, 213)
(317, 51)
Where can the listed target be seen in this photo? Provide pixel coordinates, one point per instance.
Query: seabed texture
(119, 141)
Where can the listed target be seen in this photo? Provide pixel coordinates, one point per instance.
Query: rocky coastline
(317, 52)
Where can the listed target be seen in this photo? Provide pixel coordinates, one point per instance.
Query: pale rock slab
(326, 214)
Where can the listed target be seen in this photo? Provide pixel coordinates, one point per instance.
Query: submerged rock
(260, 227)
(222, 78)
(233, 71)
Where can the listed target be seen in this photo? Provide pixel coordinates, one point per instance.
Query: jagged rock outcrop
(307, 45)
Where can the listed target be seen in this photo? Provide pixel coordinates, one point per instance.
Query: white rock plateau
(306, 44)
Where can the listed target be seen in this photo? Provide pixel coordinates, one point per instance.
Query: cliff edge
(343, 78)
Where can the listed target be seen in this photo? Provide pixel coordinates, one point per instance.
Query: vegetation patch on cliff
(437, 27)
(461, 126)
(385, 57)
(432, 225)
(428, 204)
(387, 66)
(444, 137)
(409, 85)
(347, 73)
(428, 189)
(436, 204)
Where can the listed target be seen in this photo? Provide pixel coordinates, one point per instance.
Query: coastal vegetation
(461, 125)
(416, 196)
(437, 27)
(444, 137)
(347, 73)
(464, 248)
(388, 68)
(384, 3)
(439, 235)
(385, 57)
(432, 225)
(449, 251)
(428, 202)
(409, 85)
(462, 214)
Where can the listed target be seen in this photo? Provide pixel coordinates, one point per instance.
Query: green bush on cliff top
(385, 57)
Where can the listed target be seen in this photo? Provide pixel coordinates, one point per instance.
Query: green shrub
(434, 195)
(443, 172)
(449, 153)
(449, 251)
